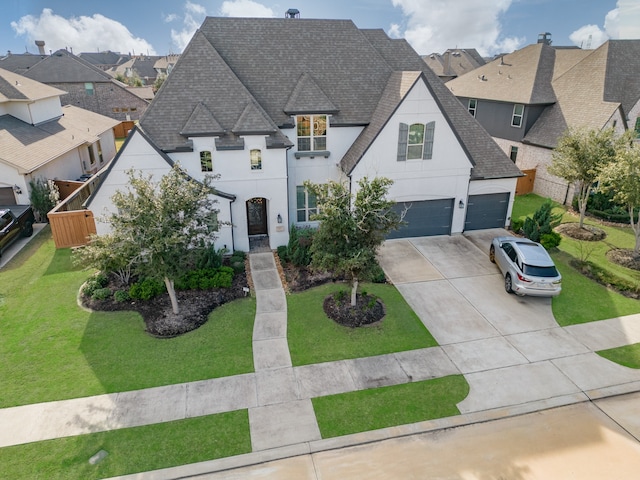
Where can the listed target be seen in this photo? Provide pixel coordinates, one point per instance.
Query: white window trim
(306, 209)
(470, 109)
(516, 115)
(311, 135)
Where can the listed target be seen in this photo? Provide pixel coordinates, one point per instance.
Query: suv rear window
(540, 271)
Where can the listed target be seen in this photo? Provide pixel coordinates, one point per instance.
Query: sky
(160, 27)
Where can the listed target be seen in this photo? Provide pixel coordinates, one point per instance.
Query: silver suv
(527, 267)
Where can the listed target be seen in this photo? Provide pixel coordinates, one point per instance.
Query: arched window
(206, 162)
(416, 141)
(256, 159)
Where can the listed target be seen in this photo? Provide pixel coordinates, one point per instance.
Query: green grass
(315, 338)
(628, 355)
(130, 450)
(584, 300)
(51, 349)
(382, 407)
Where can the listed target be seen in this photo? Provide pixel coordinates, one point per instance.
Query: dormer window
(312, 133)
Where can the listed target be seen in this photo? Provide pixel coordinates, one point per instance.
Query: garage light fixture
(460, 204)
(17, 189)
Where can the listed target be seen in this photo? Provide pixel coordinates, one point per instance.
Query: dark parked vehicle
(527, 267)
(15, 221)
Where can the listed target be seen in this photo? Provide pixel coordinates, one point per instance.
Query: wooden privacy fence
(525, 184)
(71, 224)
(122, 130)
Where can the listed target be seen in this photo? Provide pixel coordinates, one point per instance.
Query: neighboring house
(105, 60)
(164, 65)
(267, 104)
(39, 138)
(141, 67)
(87, 86)
(527, 99)
(454, 62)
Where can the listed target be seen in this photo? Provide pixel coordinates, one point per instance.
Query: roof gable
(65, 67)
(308, 97)
(254, 121)
(201, 123)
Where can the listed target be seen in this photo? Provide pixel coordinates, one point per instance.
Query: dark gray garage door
(424, 218)
(487, 211)
(6, 196)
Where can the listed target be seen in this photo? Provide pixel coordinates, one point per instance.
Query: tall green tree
(163, 222)
(351, 227)
(579, 158)
(622, 177)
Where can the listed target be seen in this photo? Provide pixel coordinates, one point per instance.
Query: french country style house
(266, 104)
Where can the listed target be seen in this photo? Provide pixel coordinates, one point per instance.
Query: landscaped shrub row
(607, 278)
(206, 278)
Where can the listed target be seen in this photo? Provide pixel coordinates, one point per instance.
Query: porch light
(279, 218)
(17, 189)
(460, 204)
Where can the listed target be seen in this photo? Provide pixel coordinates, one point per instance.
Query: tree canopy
(579, 158)
(156, 225)
(351, 227)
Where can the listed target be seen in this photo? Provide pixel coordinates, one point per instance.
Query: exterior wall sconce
(279, 218)
(17, 189)
(460, 204)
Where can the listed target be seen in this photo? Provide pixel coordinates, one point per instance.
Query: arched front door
(257, 216)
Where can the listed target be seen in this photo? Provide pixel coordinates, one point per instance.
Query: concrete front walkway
(511, 351)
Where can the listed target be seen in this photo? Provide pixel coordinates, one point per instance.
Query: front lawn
(584, 300)
(130, 450)
(382, 407)
(315, 338)
(51, 349)
(627, 355)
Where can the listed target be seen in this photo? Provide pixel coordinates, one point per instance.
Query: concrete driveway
(510, 349)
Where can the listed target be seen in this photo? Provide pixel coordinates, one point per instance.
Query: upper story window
(416, 141)
(92, 155)
(256, 159)
(312, 132)
(206, 162)
(306, 204)
(88, 88)
(518, 112)
(100, 156)
(473, 106)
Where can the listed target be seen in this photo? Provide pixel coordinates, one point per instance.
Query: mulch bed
(160, 321)
(368, 310)
(624, 257)
(587, 233)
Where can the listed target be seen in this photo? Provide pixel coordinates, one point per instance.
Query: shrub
(283, 253)
(607, 278)
(121, 296)
(101, 294)
(299, 247)
(101, 278)
(542, 222)
(550, 240)
(209, 257)
(377, 275)
(146, 289)
(237, 261)
(206, 279)
(96, 282)
(516, 225)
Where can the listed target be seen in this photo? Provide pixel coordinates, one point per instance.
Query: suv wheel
(508, 286)
(492, 254)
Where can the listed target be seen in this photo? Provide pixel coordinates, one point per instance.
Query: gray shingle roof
(622, 82)
(19, 63)
(454, 62)
(265, 60)
(65, 67)
(202, 123)
(308, 97)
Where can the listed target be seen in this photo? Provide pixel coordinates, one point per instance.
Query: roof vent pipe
(40, 45)
(292, 13)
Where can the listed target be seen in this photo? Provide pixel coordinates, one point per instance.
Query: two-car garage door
(425, 218)
(434, 217)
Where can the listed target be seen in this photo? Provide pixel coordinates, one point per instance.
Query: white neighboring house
(265, 105)
(41, 139)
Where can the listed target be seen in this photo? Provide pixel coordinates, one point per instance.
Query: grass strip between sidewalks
(382, 407)
(627, 355)
(130, 450)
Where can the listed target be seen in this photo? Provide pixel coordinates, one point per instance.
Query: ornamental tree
(159, 224)
(351, 227)
(623, 178)
(579, 158)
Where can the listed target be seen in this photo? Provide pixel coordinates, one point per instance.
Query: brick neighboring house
(39, 138)
(87, 86)
(527, 99)
(270, 103)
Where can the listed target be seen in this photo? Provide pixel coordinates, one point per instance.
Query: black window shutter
(427, 151)
(402, 142)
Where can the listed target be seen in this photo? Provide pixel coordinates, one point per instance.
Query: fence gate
(525, 184)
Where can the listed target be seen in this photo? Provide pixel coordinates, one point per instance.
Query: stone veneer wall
(107, 97)
(531, 157)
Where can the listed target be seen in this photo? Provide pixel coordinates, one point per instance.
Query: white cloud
(436, 25)
(245, 8)
(82, 34)
(620, 23)
(170, 17)
(193, 17)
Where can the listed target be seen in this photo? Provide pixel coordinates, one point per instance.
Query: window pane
(416, 134)
(304, 144)
(516, 121)
(256, 159)
(312, 201)
(301, 216)
(414, 151)
(518, 109)
(300, 196)
(319, 125)
(206, 164)
(304, 126)
(320, 143)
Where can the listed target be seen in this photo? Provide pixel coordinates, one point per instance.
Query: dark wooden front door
(257, 216)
